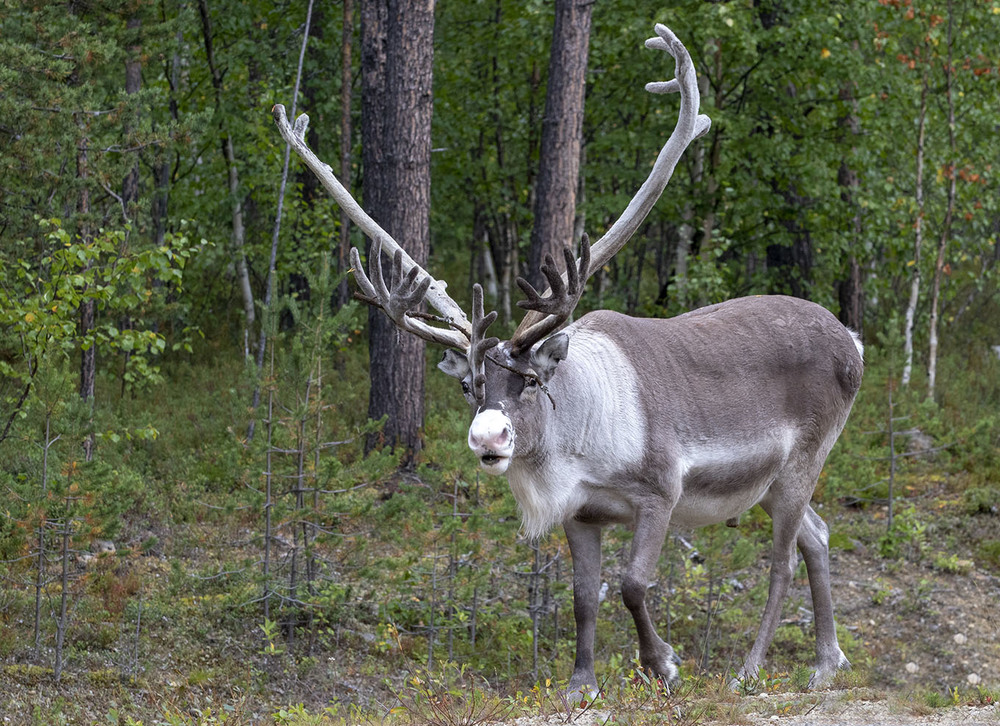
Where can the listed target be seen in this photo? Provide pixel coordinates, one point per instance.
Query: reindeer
(646, 423)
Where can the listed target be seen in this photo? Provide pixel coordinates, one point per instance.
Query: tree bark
(396, 105)
(88, 308)
(161, 190)
(686, 231)
(130, 184)
(850, 290)
(133, 84)
(562, 136)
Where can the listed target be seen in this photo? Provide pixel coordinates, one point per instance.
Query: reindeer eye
(530, 382)
(466, 389)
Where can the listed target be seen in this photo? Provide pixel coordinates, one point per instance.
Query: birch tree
(949, 213)
(918, 239)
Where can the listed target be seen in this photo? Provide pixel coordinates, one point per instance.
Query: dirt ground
(921, 627)
(925, 625)
(835, 708)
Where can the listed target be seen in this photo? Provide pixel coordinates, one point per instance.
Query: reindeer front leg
(652, 519)
(585, 549)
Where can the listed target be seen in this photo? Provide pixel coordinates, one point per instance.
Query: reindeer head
(505, 382)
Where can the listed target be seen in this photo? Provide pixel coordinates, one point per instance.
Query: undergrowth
(377, 581)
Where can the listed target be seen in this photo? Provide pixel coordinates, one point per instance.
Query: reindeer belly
(719, 483)
(699, 510)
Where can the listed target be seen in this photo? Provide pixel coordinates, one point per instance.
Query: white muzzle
(491, 438)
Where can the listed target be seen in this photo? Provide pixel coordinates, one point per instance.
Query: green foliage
(905, 537)
(982, 500)
(953, 564)
(988, 554)
(937, 699)
(451, 696)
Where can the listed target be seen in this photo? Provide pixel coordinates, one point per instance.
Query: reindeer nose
(490, 430)
(489, 439)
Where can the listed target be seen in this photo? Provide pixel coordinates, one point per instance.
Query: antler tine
(479, 345)
(690, 125)
(558, 303)
(460, 331)
(401, 296)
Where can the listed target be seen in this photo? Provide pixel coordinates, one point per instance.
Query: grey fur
(685, 421)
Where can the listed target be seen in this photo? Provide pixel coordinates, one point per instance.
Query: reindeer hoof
(823, 675)
(666, 670)
(581, 689)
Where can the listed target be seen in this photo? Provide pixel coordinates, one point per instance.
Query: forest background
(186, 453)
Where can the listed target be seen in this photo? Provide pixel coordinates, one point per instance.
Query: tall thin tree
(949, 214)
(346, 79)
(276, 231)
(238, 234)
(918, 240)
(396, 105)
(562, 135)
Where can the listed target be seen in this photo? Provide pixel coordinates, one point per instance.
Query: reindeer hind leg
(786, 502)
(813, 542)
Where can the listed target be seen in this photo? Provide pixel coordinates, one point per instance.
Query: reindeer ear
(454, 364)
(546, 357)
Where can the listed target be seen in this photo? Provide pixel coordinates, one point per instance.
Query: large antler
(690, 125)
(556, 308)
(410, 284)
(402, 296)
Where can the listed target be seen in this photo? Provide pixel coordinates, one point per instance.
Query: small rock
(973, 679)
(912, 667)
(960, 639)
(102, 547)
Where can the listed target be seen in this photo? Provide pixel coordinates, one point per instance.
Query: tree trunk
(133, 83)
(562, 135)
(130, 184)
(161, 190)
(238, 236)
(686, 230)
(88, 308)
(850, 294)
(850, 289)
(952, 173)
(346, 77)
(396, 105)
(686, 234)
(918, 242)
